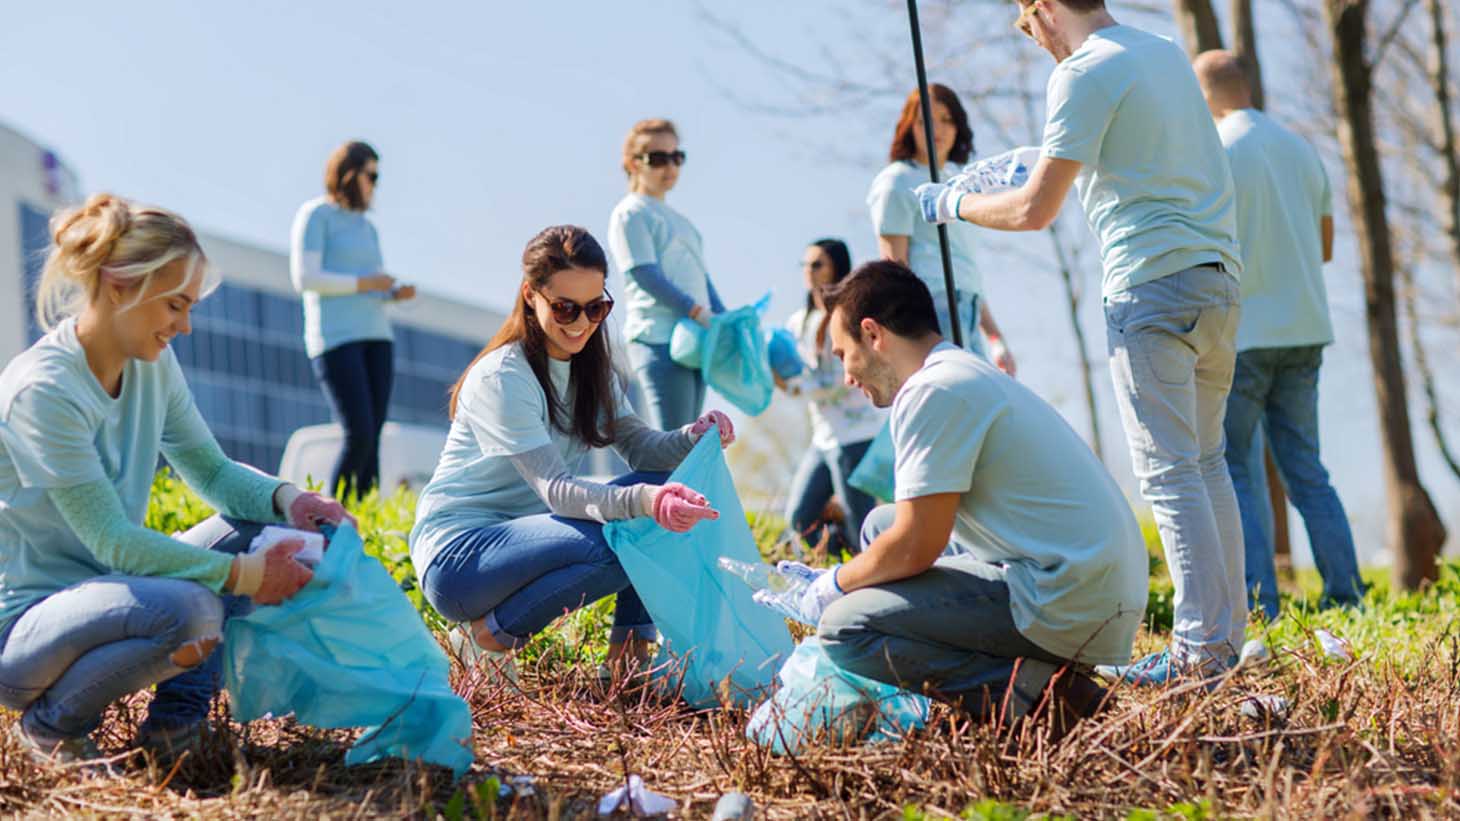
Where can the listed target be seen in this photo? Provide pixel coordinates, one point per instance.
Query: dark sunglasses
(373, 176)
(566, 311)
(659, 159)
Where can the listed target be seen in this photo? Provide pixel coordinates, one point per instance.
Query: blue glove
(939, 202)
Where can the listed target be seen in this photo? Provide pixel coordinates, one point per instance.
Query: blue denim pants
(356, 378)
(948, 631)
(1172, 352)
(71, 654)
(522, 574)
(1276, 390)
(821, 474)
(675, 394)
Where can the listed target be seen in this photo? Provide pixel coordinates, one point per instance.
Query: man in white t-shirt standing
(1127, 127)
(1050, 574)
(1285, 223)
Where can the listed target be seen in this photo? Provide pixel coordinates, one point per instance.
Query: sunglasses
(1025, 23)
(566, 311)
(373, 176)
(659, 159)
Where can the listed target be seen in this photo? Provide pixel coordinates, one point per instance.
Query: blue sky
(495, 119)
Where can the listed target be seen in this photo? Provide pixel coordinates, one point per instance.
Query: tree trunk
(1198, 22)
(1244, 45)
(1414, 532)
(1439, 71)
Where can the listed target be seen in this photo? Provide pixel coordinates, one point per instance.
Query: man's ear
(872, 332)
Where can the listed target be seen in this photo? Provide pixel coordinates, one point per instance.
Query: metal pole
(925, 99)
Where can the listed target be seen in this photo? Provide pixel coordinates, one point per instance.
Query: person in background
(336, 266)
(843, 420)
(93, 605)
(903, 236)
(665, 277)
(1285, 227)
(508, 537)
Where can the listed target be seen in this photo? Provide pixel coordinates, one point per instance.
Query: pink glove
(306, 510)
(677, 508)
(718, 419)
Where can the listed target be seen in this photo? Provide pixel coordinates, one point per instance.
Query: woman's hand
(700, 314)
(676, 508)
(375, 282)
(713, 418)
(272, 576)
(1000, 356)
(307, 510)
(401, 293)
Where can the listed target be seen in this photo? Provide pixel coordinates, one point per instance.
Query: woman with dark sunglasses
(665, 278)
(335, 263)
(843, 420)
(904, 236)
(507, 537)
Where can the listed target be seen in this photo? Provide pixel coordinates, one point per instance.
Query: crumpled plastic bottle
(774, 589)
(997, 173)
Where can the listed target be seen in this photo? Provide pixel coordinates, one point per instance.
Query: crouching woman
(93, 605)
(508, 537)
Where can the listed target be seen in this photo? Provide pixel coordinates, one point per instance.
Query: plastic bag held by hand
(709, 622)
(734, 359)
(349, 650)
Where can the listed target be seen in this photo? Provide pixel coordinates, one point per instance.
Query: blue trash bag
(711, 629)
(875, 474)
(733, 358)
(686, 343)
(820, 702)
(349, 650)
(785, 359)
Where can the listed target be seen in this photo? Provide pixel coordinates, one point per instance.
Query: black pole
(924, 99)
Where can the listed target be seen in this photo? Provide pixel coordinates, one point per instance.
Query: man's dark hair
(887, 292)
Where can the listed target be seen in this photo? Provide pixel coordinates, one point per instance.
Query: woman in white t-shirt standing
(843, 420)
(662, 258)
(904, 236)
(507, 536)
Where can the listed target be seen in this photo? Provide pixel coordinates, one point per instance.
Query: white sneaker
(499, 666)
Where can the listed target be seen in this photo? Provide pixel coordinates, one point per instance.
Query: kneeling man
(1011, 562)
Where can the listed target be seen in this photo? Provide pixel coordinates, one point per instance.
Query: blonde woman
(94, 606)
(665, 277)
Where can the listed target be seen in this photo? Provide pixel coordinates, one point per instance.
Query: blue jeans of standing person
(968, 308)
(522, 574)
(357, 378)
(821, 474)
(1172, 355)
(948, 628)
(1277, 389)
(71, 654)
(675, 394)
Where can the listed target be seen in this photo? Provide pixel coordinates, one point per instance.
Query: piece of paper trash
(1254, 652)
(1333, 646)
(642, 802)
(311, 555)
(1259, 706)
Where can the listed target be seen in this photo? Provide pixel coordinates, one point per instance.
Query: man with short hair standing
(1127, 127)
(1285, 224)
(1052, 571)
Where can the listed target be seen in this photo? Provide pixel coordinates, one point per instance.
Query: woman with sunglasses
(507, 537)
(661, 256)
(335, 263)
(843, 420)
(904, 236)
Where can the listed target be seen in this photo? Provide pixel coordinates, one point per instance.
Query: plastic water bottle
(998, 173)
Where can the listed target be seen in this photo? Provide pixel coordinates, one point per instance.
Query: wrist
(247, 574)
(695, 311)
(958, 205)
(646, 499)
(285, 495)
(834, 582)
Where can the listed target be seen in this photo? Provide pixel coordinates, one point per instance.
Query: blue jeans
(821, 474)
(948, 629)
(522, 574)
(356, 378)
(1172, 353)
(1277, 388)
(675, 394)
(968, 308)
(76, 651)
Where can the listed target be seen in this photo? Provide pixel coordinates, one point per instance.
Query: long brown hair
(903, 147)
(342, 174)
(591, 374)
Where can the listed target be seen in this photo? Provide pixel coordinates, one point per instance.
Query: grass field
(1378, 735)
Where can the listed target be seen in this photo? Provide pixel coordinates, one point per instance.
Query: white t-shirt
(1035, 503)
(1282, 197)
(643, 230)
(840, 415)
(896, 213)
(501, 412)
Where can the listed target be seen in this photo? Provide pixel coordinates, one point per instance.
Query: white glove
(814, 598)
(939, 202)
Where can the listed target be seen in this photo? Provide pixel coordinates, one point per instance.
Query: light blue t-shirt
(349, 245)
(840, 415)
(643, 230)
(501, 412)
(1035, 502)
(1155, 183)
(896, 213)
(1282, 198)
(59, 429)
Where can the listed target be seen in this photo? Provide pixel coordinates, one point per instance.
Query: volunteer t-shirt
(840, 415)
(1155, 183)
(644, 230)
(348, 244)
(896, 213)
(1034, 503)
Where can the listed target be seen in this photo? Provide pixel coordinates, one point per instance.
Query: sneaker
(66, 751)
(1159, 670)
(499, 666)
(1073, 697)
